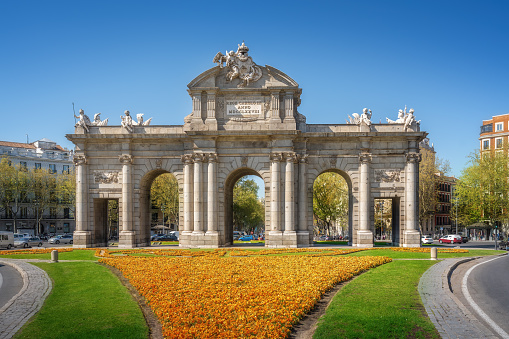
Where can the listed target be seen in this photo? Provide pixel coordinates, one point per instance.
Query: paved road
(486, 288)
(11, 283)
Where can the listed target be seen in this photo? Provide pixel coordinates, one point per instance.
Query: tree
(15, 188)
(330, 200)
(44, 193)
(66, 191)
(164, 195)
(429, 169)
(483, 189)
(248, 211)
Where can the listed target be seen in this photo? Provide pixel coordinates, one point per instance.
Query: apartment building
(41, 154)
(494, 133)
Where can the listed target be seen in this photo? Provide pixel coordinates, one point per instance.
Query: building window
(486, 144)
(23, 165)
(499, 127)
(52, 168)
(23, 212)
(65, 169)
(53, 213)
(66, 227)
(38, 165)
(498, 143)
(66, 213)
(486, 128)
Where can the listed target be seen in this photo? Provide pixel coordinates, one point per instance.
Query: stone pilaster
(411, 234)
(212, 192)
(187, 159)
(126, 239)
(289, 106)
(211, 121)
(197, 116)
(274, 108)
(364, 234)
(198, 193)
(82, 235)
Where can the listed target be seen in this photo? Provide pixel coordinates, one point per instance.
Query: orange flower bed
(212, 296)
(35, 251)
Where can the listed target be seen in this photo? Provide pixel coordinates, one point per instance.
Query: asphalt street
(11, 283)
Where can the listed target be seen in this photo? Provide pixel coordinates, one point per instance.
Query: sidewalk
(17, 311)
(448, 314)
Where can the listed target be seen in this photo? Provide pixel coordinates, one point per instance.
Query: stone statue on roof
(84, 120)
(240, 64)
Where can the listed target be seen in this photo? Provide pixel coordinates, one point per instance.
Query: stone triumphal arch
(244, 120)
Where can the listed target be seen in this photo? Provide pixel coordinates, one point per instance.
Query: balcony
(487, 128)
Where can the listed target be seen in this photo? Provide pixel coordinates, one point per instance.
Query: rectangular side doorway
(105, 221)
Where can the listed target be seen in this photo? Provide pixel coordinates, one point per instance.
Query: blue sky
(445, 59)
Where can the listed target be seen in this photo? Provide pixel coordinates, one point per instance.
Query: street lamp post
(36, 218)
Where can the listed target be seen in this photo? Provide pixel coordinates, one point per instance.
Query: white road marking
(464, 289)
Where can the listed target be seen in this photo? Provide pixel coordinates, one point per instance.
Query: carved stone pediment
(106, 177)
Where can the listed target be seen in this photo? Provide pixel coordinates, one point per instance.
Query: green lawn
(381, 303)
(87, 301)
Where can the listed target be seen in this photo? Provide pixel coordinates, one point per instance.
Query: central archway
(230, 182)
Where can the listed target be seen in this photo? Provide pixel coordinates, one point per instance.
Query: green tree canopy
(164, 194)
(248, 210)
(330, 199)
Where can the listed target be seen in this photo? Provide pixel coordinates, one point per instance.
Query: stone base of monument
(411, 238)
(303, 239)
(127, 239)
(200, 239)
(82, 239)
(364, 239)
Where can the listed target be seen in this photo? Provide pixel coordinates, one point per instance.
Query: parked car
(246, 238)
(62, 238)
(7, 240)
(427, 239)
(323, 238)
(28, 242)
(166, 237)
(450, 239)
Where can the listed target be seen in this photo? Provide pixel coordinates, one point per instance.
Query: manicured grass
(74, 255)
(415, 255)
(381, 303)
(87, 301)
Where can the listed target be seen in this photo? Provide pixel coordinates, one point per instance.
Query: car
(166, 237)
(28, 242)
(62, 238)
(464, 239)
(450, 239)
(246, 238)
(427, 239)
(6, 239)
(323, 238)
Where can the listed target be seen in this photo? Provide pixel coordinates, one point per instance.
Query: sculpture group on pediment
(84, 120)
(240, 65)
(128, 122)
(357, 119)
(407, 119)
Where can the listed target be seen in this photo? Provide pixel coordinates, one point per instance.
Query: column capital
(79, 159)
(187, 159)
(212, 157)
(199, 157)
(290, 157)
(365, 158)
(302, 158)
(276, 156)
(126, 159)
(414, 157)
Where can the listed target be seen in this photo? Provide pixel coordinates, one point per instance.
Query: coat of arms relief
(240, 65)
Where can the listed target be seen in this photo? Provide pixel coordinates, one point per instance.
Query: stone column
(411, 235)
(289, 192)
(275, 191)
(212, 192)
(303, 196)
(274, 107)
(80, 162)
(198, 193)
(127, 234)
(364, 234)
(187, 159)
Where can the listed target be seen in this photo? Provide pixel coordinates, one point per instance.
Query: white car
(427, 239)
